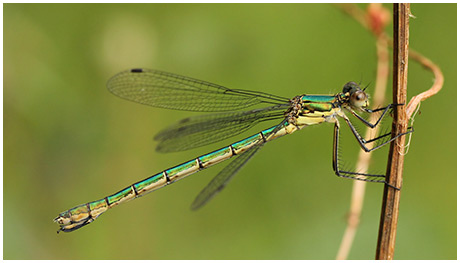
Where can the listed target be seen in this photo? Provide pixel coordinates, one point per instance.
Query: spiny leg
(384, 109)
(362, 142)
(352, 175)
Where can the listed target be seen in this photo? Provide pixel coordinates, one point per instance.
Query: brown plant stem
(391, 196)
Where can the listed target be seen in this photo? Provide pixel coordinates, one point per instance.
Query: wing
(206, 129)
(223, 177)
(167, 90)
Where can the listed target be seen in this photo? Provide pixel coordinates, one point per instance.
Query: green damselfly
(166, 90)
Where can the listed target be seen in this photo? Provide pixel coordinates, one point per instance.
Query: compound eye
(359, 99)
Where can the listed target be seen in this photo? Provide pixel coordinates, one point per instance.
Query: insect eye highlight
(359, 99)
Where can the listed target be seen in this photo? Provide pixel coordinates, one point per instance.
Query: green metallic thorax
(316, 109)
(318, 98)
(321, 103)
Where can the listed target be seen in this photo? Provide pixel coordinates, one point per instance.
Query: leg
(362, 142)
(385, 110)
(352, 175)
(346, 174)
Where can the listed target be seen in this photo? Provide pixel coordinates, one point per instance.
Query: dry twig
(391, 196)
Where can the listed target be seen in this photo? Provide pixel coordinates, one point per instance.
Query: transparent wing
(206, 129)
(167, 90)
(223, 177)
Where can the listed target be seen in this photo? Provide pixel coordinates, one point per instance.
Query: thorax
(313, 109)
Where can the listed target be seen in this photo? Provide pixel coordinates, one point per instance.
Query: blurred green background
(68, 141)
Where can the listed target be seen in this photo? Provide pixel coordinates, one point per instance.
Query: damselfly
(166, 90)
